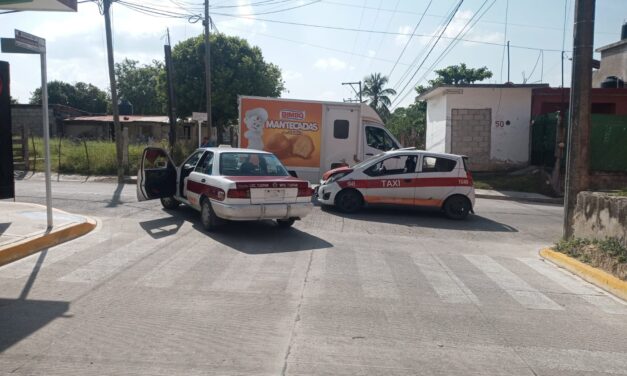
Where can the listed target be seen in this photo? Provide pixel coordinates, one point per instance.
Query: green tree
(460, 74)
(236, 69)
(408, 124)
(13, 101)
(81, 95)
(378, 95)
(142, 86)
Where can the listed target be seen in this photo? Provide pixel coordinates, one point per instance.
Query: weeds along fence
(92, 157)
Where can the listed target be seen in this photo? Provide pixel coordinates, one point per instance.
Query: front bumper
(251, 212)
(327, 192)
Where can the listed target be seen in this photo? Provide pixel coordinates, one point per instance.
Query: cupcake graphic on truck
(309, 137)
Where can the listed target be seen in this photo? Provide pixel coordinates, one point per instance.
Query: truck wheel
(285, 223)
(457, 207)
(170, 203)
(349, 201)
(208, 217)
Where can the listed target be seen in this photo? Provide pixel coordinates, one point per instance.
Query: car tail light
(238, 193)
(305, 192)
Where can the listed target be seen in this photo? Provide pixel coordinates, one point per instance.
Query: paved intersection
(379, 292)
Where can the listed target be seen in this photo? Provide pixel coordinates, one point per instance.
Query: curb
(27, 247)
(591, 274)
(548, 200)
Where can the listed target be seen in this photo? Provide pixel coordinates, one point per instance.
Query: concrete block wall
(600, 216)
(31, 119)
(470, 135)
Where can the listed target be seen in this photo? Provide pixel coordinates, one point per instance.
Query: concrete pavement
(379, 292)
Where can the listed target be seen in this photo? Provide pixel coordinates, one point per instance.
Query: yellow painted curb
(591, 274)
(14, 252)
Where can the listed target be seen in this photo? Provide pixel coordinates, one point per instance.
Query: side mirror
(292, 173)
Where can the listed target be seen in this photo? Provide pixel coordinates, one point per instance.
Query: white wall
(509, 144)
(436, 139)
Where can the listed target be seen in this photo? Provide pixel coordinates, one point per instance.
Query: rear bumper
(250, 212)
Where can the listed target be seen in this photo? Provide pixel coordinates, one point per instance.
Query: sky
(316, 59)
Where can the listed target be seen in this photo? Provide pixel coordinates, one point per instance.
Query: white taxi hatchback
(225, 183)
(407, 177)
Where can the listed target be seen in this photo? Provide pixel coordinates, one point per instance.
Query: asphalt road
(382, 292)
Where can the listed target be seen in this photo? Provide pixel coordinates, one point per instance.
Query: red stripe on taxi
(406, 183)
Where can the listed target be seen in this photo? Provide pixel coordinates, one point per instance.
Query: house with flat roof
(489, 123)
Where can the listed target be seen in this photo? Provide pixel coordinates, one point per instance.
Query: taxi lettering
(391, 183)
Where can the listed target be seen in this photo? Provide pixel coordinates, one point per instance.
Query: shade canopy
(45, 5)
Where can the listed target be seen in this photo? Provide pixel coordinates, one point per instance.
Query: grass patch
(608, 254)
(621, 192)
(92, 157)
(531, 183)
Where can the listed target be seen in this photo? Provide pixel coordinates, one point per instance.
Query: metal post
(208, 72)
(119, 142)
(200, 133)
(46, 132)
(577, 153)
(508, 65)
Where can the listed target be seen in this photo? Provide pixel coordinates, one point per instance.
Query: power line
(387, 27)
(504, 39)
(432, 47)
(409, 40)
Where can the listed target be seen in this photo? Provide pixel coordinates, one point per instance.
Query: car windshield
(251, 164)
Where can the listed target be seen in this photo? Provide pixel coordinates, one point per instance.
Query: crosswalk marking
(445, 283)
(170, 270)
(25, 266)
(110, 263)
(240, 273)
(598, 299)
(375, 276)
(518, 289)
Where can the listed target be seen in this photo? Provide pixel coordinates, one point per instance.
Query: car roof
(233, 150)
(417, 152)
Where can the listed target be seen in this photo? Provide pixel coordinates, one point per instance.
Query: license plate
(274, 193)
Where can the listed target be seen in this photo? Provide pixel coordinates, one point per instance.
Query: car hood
(338, 170)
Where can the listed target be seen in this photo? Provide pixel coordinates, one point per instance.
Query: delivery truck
(311, 137)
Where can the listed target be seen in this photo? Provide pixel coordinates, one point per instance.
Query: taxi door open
(156, 177)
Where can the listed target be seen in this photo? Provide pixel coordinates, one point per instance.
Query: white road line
(112, 262)
(445, 283)
(518, 289)
(578, 287)
(25, 266)
(375, 275)
(240, 272)
(169, 271)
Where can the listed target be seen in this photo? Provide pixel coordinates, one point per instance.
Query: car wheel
(285, 223)
(170, 203)
(349, 201)
(457, 207)
(208, 217)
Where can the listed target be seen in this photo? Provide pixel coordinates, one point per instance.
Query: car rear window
(251, 164)
(436, 164)
(466, 167)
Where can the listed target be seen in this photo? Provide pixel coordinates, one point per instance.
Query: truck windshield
(251, 164)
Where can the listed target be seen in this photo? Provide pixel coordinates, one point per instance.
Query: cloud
(330, 63)
(372, 53)
(400, 40)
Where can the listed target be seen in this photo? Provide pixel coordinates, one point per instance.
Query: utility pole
(207, 23)
(171, 103)
(119, 137)
(356, 92)
(508, 65)
(577, 152)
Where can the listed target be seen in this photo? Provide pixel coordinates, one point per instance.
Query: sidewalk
(40, 176)
(517, 196)
(23, 229)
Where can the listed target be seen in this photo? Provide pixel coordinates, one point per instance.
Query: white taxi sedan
(225, 183)
(402, 177)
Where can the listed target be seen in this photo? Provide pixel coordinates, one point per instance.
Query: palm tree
(379, 97)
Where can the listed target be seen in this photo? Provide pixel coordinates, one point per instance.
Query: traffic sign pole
(44, 109)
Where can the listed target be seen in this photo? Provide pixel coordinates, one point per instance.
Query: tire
(457, 207)
(349, 201)
(285, 223)
(208, 217)
(170, 203)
